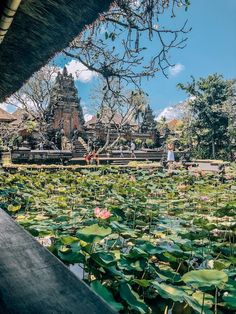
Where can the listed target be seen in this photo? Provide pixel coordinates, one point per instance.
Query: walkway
(32, 280)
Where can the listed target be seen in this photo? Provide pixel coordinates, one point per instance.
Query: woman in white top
(170, 153)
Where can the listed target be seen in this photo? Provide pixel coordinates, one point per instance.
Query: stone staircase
(81, 148)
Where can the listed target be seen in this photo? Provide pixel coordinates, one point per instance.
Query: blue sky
(211, 48)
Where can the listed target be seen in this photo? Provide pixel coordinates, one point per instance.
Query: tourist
(121, 151)
(89, 144)
(132, 148)
(95, 157)
(170, 153)
(88, 157)
(41, 145)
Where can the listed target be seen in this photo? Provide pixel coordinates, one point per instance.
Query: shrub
(149, 143)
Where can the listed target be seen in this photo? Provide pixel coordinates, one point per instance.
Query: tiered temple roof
(5, 116)
(64, 111)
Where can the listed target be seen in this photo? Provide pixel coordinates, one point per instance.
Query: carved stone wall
(64, 111)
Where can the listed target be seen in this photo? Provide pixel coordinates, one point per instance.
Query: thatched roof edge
(41, 29)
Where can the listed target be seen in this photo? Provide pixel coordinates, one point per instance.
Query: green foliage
(122, 140)
(205, 278)
(138, 142)
(168, 244)
(207, 126)
(30, 126)
(1, 143)
(149, 142)
(93, 233)
(106, 294)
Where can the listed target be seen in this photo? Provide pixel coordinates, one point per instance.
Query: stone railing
(41, 156)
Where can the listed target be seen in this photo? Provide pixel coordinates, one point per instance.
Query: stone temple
(64, 112)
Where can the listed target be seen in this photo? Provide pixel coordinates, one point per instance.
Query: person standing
(132, 148)
(41, 146)
(121, 151)
(170, 153)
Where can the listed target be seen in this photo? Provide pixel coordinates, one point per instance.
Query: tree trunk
(107, 142)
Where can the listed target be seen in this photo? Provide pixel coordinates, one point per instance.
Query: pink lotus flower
(97, 211)
(204, 198)
(102, 214)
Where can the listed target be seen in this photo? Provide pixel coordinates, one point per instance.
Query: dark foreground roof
(39, 30)
(35, 281)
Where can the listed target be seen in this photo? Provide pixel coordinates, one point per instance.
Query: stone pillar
(5, 158)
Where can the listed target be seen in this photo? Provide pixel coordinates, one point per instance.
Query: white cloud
(177, 111)
(80, 72)
(87, 117)
(176, 69)
(4, 106)
(167, 113)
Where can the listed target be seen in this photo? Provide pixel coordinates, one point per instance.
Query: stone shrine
(64, 112)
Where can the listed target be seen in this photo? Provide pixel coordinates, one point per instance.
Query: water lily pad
(67, 240)
(176, 294)
(197, 306)
(71, 257)
(104, 258)
(230, 300)
(205, 278)
(208, 298)
(93, 233)
(143, 282)
(133, 299)
(106, 295)
(13, 208)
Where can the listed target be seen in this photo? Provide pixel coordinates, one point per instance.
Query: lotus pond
(147, 241)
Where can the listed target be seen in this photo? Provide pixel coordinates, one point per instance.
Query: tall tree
(33, 99)
(118, 114)
(208, 97)
(114, 46)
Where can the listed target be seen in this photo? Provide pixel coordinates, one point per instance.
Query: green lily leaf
(104, 259)
(230, 300)
(221, 264)
(13, 208)
(176, 294)
(208, 298)
(67, 240)
(136, 253)
(93, 233)
(143, 282)
(71, 257)
(133, 299)
(106, 295)
(205, 278)
(197, 306)
(138, 265)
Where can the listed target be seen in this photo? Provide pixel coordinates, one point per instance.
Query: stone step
(83, 143)
(80, 149)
